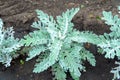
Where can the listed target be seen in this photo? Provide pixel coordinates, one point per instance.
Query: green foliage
(58, 72)
(111, 41)
(116, 71)
(110, 44)
(8, 45)
(59, 46)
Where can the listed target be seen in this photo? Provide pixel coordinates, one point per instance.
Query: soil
(21, 13)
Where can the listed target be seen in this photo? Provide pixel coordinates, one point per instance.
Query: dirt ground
(21, 13)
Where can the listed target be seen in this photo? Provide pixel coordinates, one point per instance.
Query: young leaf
(56, 69)
(51, 59)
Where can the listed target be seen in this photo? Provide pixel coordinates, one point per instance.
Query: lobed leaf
(58, 72)
(51, 59)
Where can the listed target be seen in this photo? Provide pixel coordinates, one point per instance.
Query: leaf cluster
(8, 45)
(110, 44)
(58, 45)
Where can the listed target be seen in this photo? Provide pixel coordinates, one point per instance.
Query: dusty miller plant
(8, 45)
(59, 46)
(111, 41)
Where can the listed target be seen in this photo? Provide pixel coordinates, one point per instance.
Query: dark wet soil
(21, 13)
